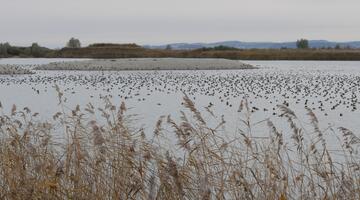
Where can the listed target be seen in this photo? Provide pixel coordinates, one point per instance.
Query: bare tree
(73, 43)
(302, 44)
(35, 50)
(4, 49)
(168, 47)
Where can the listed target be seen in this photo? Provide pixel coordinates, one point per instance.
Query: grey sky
(53, 22)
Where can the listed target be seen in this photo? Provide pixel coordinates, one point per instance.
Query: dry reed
(109, 159)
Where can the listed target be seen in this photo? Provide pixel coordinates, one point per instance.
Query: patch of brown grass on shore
(240, 54)
(112, 159)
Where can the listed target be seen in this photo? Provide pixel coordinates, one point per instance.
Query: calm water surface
(330, 89)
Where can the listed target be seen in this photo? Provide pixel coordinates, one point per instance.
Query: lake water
(331, 89)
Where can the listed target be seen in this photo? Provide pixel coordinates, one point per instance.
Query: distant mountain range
(256, 45)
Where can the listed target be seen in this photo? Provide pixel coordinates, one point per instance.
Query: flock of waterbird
(13, 70)
(321, 92)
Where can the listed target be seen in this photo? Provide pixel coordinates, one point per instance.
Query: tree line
(35, 50)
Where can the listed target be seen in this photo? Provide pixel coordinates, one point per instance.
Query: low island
(147, 64)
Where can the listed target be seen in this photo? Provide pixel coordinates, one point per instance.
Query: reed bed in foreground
(110, 158)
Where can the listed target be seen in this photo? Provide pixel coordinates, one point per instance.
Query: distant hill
(256, 45)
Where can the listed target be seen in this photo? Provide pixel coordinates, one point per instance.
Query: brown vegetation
(104, 45)
(111, 159)
(112, 50)
(116, 51)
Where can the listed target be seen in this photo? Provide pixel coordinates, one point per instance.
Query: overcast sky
(53, 22)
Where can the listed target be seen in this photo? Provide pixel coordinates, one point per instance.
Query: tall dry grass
(109, 158)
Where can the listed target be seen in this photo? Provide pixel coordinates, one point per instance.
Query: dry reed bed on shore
(115, 160)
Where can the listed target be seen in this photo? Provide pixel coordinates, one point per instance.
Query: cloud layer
(51, 22)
